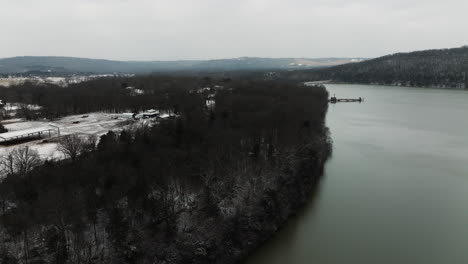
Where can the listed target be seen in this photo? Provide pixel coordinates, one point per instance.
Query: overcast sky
(210, 29)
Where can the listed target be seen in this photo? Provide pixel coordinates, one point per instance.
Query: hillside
(446, 68)
(71, 65)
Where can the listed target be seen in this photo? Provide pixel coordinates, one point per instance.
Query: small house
(150, 113)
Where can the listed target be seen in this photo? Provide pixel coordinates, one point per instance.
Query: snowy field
(4, 83)
(96, 124)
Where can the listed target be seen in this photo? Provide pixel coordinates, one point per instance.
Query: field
(5, 83)
(95, 124)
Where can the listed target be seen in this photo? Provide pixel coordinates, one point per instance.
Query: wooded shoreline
(207, 186)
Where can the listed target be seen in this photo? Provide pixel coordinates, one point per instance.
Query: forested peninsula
(208, 185)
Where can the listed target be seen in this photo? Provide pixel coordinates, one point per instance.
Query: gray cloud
(205, 29)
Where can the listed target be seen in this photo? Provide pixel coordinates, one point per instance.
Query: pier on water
(334, 100)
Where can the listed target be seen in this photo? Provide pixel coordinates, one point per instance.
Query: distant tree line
(107, 94)
(207, 187)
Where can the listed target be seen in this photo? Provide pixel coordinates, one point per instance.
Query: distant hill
(70, 65)
(430, 68)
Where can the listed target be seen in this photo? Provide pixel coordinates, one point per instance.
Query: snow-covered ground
(5, 82)
(96, 124)
(9, 107)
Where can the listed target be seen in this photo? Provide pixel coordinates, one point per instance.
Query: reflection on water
(396, 188)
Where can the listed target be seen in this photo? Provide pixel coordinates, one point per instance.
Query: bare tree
(73, 145)
(21, 161)
(25, 160)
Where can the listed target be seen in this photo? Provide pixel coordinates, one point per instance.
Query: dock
(334, 100)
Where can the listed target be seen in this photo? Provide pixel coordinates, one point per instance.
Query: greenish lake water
(396, 188)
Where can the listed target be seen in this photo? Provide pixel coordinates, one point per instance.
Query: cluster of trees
(447, 68)
(2, 128)
(106, 94)
(206, 187)
(2, 116)
(22, 160)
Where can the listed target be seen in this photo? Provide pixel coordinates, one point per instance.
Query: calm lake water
(396, 188)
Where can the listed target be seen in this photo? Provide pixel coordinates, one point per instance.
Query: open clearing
(96, 124)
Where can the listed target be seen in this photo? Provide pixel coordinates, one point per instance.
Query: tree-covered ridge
(446, 68)
(206, 187)
(62, 65)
